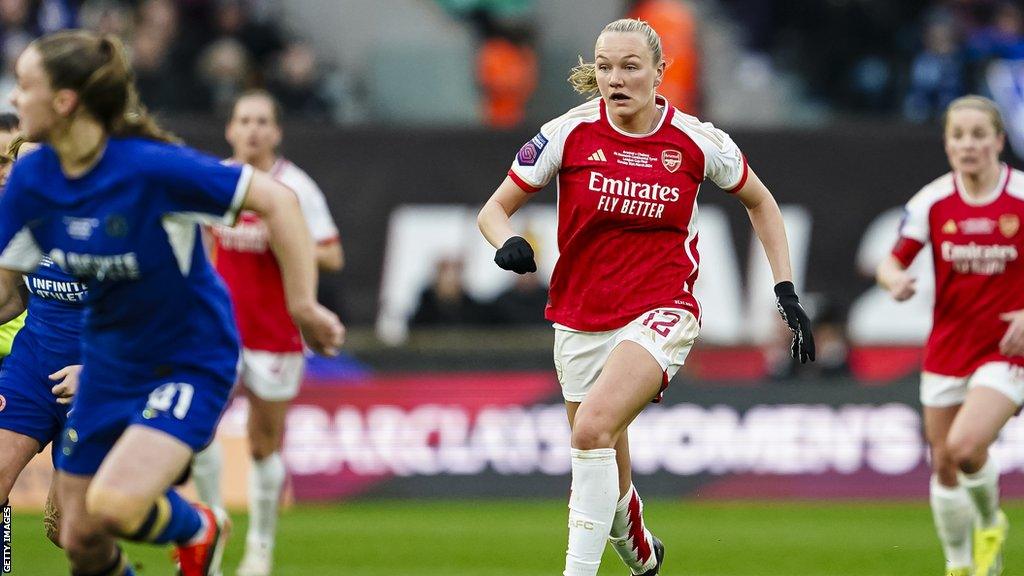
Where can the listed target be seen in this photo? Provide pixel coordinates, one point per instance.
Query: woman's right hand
(321, 329)
(516, 255)
(67, 383)
(892, 275)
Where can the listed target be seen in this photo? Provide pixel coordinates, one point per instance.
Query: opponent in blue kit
(114, 203)
(40, 374)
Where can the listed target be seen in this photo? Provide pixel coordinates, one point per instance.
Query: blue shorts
(185, 403)
(26, 404)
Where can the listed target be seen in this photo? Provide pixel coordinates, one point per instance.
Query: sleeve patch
(530, 151)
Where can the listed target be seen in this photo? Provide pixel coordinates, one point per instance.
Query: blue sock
(172, 519)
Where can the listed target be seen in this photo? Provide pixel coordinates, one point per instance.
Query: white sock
(595, 491)
(206, 470)
(983, 488)
(266, 477)
(629, 537)
(954, 522)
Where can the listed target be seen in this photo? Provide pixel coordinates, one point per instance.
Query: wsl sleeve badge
(530, 151)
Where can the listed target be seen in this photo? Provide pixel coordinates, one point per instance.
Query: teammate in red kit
(272, 354)
(973, 375)
(628, 167)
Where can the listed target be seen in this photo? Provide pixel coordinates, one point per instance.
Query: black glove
(516, 255)
(795, 317)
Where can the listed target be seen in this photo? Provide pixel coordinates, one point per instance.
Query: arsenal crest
(1009, 224)
(672, 159)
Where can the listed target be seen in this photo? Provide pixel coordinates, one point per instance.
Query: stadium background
(407, 113)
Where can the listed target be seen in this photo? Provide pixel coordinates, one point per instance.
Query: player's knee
(967, 454)
(588, 436)
(80, 539)
(112, 522)
(116, 513)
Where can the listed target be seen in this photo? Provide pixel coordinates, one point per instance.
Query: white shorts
(938, 391)
(667, 333)
(273, 376)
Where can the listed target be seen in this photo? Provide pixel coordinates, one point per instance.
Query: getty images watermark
(7, 540)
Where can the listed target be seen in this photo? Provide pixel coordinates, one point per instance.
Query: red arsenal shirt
(976, 247)
(627, 211)
(243, 257)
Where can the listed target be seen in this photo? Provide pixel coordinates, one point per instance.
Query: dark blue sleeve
(199, 185)
(19, 208)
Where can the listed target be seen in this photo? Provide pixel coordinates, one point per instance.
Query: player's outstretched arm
(513, 251)
(13, 295)
(293, 247)
(766, 219)
(893, 277)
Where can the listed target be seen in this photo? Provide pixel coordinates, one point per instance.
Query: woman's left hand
(67, 383)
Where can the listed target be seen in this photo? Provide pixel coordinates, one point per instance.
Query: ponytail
(583, 78)
(98, 69)
(14, 147)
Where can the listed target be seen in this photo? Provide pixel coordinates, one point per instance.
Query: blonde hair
(979, 103)
(8, 156)
(583, 78)
(14, 148)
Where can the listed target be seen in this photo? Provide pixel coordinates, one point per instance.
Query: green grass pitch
(527, 538)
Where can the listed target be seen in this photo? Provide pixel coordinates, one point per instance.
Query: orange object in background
(507, 73)
(674, 22)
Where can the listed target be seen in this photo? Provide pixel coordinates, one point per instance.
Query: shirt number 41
(176, 394)
(663, 325)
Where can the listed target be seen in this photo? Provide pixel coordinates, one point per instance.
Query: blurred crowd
(959, 41)
(189, 55)
(888, 58)
(906, 59)
(446, 302)
(859, 56)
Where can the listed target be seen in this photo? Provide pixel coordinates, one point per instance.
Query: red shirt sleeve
(527, 187)
(905, 250)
